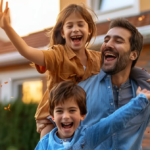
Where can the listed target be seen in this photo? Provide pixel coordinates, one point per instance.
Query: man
(113, 88)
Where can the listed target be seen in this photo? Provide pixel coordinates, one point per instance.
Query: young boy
(68, 107)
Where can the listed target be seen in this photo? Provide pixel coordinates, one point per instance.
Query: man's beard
(119, 65)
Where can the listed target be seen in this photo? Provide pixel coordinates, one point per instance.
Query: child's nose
(66, 115)
(75, 28)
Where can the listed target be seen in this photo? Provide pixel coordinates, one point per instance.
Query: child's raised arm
(31, 54)
(117, 121)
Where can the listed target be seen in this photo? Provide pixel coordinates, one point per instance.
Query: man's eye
(106, 41)
(119, 41)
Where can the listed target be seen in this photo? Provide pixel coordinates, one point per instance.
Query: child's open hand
(144, 91)
(4, 15)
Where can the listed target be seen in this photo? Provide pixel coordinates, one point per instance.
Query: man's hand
(41, 124)
(144, 91)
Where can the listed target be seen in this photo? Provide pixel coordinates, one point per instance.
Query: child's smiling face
(67, 118)
(75, 31)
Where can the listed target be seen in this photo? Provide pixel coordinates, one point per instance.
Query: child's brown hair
(64, 90)
(87, 14)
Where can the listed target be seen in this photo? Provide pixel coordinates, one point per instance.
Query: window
(32, 91)
(114, 8)
(109, 5)
(28, 90)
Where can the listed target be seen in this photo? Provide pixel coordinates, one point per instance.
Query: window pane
(32, 91)
(107, 5)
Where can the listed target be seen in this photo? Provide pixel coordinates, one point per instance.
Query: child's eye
(80, 25)
(59, 111)
(72, 110)
(69, 26)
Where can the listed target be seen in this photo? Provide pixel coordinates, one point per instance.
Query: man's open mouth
(67, 125)
(110, 56)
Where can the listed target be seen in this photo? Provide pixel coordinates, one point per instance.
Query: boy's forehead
(70, 102)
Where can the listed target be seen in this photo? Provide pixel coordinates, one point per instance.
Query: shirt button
(108, 86)
(111, 103)
(120, 89)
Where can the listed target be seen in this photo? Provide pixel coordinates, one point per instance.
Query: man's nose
(109, 44)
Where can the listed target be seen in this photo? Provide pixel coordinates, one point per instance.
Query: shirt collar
(71, 54)
(102, 75)
(61, 141)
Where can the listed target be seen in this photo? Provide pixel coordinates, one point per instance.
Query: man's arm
(141, 76)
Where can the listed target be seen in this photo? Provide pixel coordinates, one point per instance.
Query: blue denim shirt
(87, 138)
(100, 104)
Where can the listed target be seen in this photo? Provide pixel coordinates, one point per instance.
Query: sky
(29, 16)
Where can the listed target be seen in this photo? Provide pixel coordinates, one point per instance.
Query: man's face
(116, 50)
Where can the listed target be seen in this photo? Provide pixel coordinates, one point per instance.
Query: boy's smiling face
(67, 118)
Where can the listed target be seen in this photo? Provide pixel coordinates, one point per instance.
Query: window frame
(119, 12)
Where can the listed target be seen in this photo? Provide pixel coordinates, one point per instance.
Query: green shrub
(18, 127)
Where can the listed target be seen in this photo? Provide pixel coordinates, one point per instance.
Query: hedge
(18, 127)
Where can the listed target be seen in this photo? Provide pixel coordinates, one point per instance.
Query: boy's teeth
(66, 123)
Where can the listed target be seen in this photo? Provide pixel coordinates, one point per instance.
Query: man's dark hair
(136, 39)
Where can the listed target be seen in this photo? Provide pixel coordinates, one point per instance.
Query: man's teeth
(109, 54)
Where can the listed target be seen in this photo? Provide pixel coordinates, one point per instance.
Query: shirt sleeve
(141, 76)
(52, 57)
(116, 121)
(40, 146)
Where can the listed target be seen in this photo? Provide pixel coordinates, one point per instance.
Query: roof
(38, 39)
(102, 28)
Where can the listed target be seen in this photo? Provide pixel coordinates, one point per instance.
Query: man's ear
(133, 55)
(82, 117)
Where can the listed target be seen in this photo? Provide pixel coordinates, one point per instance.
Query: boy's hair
(136, 39)
(87, 14)
(64, 90)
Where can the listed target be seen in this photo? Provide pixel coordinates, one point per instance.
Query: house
(19, 80)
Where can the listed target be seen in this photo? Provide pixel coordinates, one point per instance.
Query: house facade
(18, 80)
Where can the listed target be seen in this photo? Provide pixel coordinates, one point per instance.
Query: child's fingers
(1, 6)
(138, 90)
(144, 90)
(6, 8)
(6, 5)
